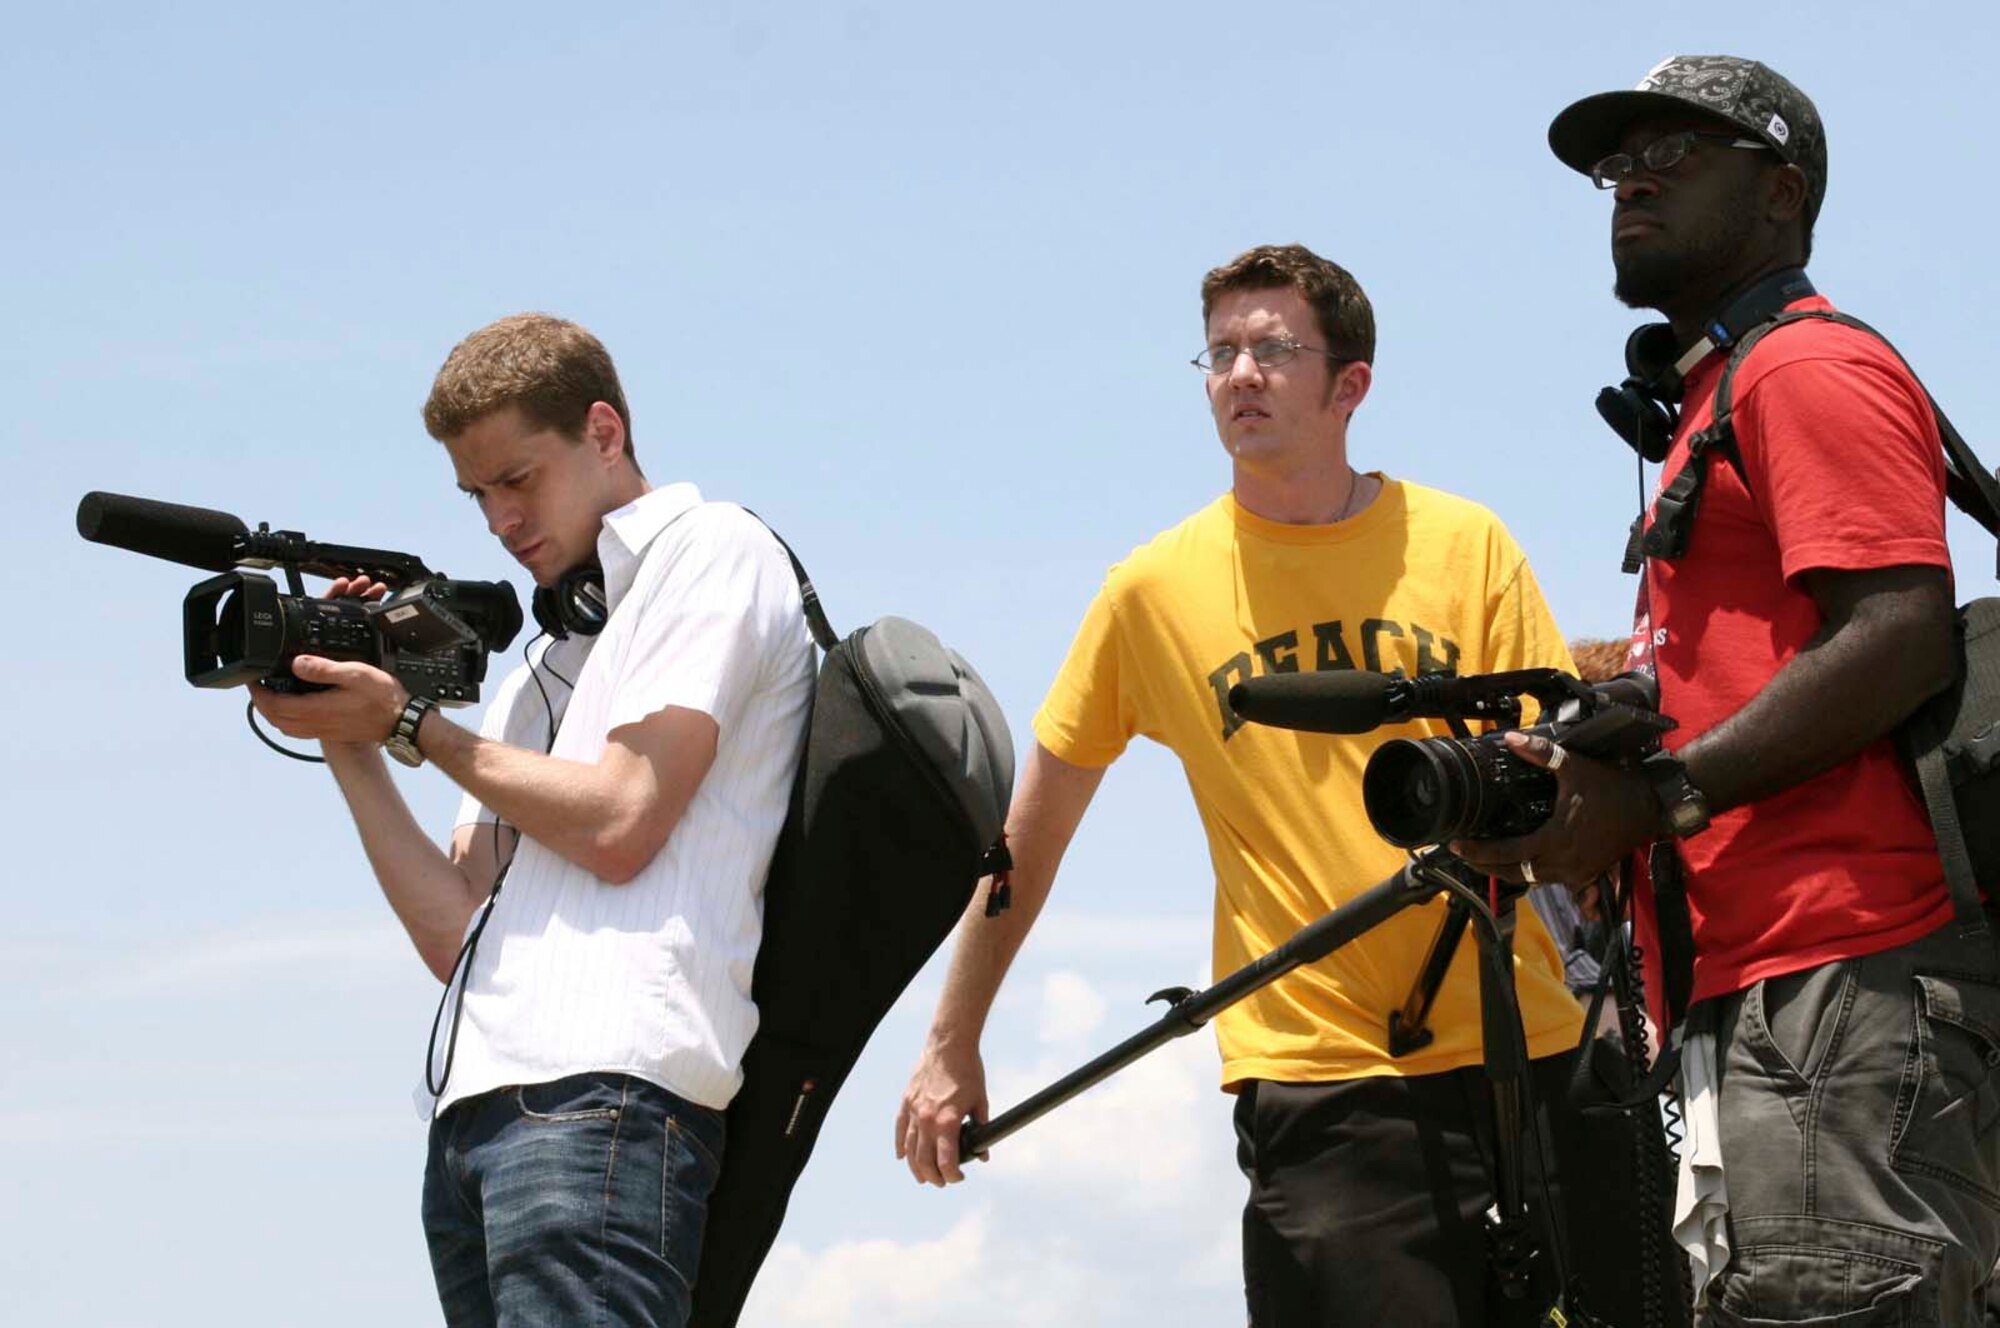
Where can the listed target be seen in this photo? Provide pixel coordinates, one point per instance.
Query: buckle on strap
(1975, 756)
(998, 863)
(1674, 511)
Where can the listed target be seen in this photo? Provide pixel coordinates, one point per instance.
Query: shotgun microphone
(1336, 701)
(197, 536)
(1357, 701)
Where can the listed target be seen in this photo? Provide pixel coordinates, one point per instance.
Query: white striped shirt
(650, 978)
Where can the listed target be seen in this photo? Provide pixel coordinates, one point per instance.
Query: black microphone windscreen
(197, 536)
(1336, 701)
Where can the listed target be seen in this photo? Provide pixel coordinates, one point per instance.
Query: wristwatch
(402, 740)
(1683, 809)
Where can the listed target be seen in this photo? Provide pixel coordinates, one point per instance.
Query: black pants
(1368, 1200)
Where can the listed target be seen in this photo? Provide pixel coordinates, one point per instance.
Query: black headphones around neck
(1644, 410)
(575, 605)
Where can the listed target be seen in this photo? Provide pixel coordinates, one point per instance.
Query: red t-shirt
(1844, 471)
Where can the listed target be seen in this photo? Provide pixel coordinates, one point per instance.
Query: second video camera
(1421, 791)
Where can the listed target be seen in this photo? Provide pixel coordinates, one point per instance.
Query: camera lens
(1434, 790)
(1420, 791)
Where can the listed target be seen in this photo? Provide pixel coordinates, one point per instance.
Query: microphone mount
(291, 550)
(1493, 698)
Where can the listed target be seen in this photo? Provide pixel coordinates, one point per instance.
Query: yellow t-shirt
(1419, 582)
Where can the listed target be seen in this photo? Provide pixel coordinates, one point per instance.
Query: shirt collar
(629, 530)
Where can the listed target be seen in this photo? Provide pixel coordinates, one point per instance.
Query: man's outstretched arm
(949, 1082)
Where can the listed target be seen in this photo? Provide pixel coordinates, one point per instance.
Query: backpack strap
(1675, 507)
(1934, 779)
(822, 630)
(1674, 510)
(1972, 489)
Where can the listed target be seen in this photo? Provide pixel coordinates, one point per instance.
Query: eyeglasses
(1662, 154)
(1268, 354)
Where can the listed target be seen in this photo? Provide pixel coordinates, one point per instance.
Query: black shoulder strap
(822, 630)
(1675, 507)
(1961, 878)
(1971, 487)
(1674, 510)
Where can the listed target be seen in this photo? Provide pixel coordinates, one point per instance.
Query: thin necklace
(1353, 491)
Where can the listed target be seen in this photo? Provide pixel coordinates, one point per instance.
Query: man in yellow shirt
(1368, 1172)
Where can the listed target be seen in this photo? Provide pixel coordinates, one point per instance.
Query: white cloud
(290, 949)
(1152, 1140)
(867, 1281)
(1121, 1206)
(963, 1278)
(1143, 946)
(1072, 1009)
(1132, 1141)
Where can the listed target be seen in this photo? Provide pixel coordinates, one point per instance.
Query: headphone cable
(461, 968)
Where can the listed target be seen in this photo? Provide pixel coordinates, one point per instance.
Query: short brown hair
(548, 368)
(1599, 661)
(1346, 319)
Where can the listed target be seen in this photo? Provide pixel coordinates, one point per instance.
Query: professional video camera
(1434, 790)
(432, 633)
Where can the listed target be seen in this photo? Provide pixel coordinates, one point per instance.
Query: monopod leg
(1367, 910)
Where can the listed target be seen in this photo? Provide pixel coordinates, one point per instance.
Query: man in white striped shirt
(628, 786)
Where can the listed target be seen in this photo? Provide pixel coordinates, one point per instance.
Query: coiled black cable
(1655, 1159)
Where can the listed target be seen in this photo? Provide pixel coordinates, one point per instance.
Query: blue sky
(915, 282)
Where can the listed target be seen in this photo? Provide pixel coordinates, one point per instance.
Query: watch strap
(402, 740)
(1683, 809)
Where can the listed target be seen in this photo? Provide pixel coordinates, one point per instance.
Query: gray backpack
(896, 814)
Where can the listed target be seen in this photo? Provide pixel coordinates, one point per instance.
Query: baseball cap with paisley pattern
(1747, 94)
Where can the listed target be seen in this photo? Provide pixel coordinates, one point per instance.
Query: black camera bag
(1952, 741)
(896, 814)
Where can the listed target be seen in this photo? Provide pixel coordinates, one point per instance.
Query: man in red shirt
(1841, 1044)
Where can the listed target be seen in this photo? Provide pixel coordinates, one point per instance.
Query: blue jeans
(579, 1201)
